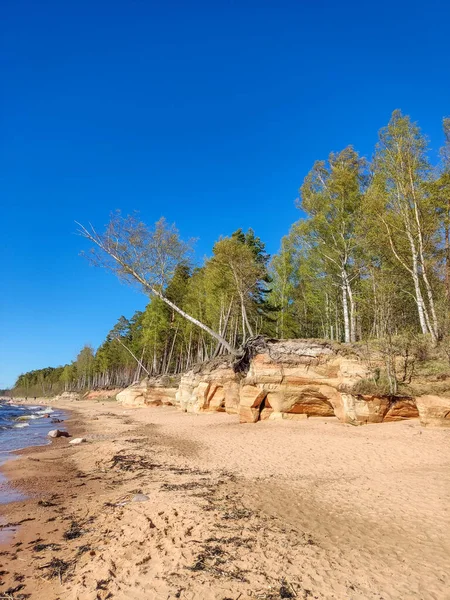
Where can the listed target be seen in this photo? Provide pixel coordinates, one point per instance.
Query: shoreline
(36, 437)
(24, 475)
(16, 468)
(164, 504)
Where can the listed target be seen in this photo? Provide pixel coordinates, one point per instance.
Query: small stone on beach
(140, 498)
(76, 441)
(56, 433)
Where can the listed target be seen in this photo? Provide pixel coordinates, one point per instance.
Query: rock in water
(56, 433)
(76, 441)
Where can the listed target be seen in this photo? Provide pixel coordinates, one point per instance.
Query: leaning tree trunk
(188, 317)
(150, 288)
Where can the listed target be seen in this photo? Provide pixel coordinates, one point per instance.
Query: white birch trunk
(345, 307)
(433, 326)
(352, 308)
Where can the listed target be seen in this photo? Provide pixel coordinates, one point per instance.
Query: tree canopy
(369, 258)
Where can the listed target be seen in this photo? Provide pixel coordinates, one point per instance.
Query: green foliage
(371, 387)
(369, 261)
(41, 382)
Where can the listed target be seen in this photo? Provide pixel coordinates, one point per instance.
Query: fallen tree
(138, 254)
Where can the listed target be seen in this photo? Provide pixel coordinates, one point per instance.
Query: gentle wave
(45, 411)
(25, 425)
(37, 415)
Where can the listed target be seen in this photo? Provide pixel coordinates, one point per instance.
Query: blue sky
(209, 113)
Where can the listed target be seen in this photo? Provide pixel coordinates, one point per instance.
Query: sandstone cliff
(211, 387)
(288, 379)
(153, 391)
(297, 378)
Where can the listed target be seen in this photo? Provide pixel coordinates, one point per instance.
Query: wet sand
(161, 504)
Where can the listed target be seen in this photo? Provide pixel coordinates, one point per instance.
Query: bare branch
(149, 257)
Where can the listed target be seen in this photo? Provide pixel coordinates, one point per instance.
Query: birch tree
(148, 256)
(331, 198)
(284, 269)
(441, 192)
(235, 261)
(405, 210)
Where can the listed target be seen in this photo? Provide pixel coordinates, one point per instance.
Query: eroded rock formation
(154, 391)
(434, 411)
(102, 394)
(295, 378)
(360, 409)
(214, 387)
(287, 379)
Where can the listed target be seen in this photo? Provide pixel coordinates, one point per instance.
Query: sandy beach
(162, 504)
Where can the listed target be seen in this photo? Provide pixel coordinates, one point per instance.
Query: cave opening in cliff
(265, 409)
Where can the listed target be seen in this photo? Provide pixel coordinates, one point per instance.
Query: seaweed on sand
(56, 568)
(75, 531)
(237, 513)
(132, 462)
(16, 523)
(189, 485)
(212, 560)
(12, 593)
(42, 547)
(46, 503)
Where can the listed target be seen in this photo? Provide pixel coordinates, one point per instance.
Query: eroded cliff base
(292, 379)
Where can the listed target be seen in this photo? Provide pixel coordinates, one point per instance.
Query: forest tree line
(368, 259)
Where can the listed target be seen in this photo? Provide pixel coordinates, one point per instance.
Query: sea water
(22, 426)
